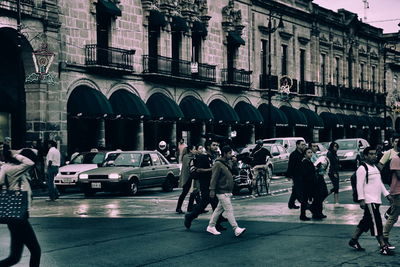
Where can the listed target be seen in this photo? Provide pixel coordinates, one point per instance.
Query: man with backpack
(368, 190)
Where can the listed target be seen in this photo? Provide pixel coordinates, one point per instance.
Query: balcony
(172, 69)
(109, 58)
(266, 83)
(236, 78)
(306, 88)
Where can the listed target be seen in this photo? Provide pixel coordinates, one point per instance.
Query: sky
(384, 14)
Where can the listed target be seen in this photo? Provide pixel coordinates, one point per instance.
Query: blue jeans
(51, 173)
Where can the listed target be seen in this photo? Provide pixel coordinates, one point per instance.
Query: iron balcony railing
(271, 82)
(236, 77)
(109, 57)
(179, 68)
(30, 2)
(306, 88)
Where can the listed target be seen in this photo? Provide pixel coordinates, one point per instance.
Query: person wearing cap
(53, 160)
(16, 169)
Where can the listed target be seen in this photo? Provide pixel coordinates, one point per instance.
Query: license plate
(96, 185)
(67, 180)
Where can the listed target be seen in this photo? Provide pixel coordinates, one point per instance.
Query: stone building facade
(131, 73)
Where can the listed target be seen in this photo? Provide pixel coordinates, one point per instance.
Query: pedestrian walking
(306, 183)
(320, 191)
(53, 161)
(221, 186)
(369, 190)
(384, 162)
(394, 211)
(203, 167)
(333, 172)
(16, 170)
(181, 147)
(186, 177)
(293, 171)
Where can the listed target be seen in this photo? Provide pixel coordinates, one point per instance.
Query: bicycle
(262, 180)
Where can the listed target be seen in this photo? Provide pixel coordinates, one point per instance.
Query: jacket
(185, 172)
(293, 169)
(221, 178)
(15, 172)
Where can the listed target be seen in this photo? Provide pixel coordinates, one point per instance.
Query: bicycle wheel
(267, 182)
(260, 184)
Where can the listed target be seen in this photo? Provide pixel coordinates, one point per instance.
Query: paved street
(114, 230)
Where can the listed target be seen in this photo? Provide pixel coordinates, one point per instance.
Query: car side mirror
(145, 163)
(274, 154)
(285, 146)
(109, 163)
(67, 162)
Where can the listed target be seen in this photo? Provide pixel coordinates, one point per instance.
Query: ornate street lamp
(271, 30)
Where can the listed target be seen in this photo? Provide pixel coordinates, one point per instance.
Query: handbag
(13, 204)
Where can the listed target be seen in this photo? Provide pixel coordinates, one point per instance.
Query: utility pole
(366, 6)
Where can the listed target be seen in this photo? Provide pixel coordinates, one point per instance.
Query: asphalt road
(113, 230)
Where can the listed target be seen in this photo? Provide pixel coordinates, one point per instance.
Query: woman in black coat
(333, 172)
(307, 181)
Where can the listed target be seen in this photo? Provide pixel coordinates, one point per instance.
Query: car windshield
(89, 158)
(124, 159)
(347, 144)
(274, 142)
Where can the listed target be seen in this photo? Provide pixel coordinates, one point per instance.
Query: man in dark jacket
(293, 170)
(203, 165)
(221, 186)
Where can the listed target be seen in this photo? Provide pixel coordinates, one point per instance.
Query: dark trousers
(51, 173)
(205, 200)
(371, 220)
(22, 234)
(185, 191)
(194, 196)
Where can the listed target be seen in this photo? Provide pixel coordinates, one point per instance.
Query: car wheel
(132, 188)
(88, 192)
(168, 184)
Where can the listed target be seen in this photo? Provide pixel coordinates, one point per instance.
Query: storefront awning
(109, 7)
(278, 117)
(179, 24)
(374, 123)
(199, 29)
(388, 123)
(88, 102)
(157, 19)
(235, 39)
(223, 112)
(129, 105)
(162, 107)
(195, 110)
(295, 117)
(313, 119)
(363, 122)
(331, 120)
(248, 113)
(348, 120)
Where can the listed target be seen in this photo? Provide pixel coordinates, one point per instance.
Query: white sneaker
(213, 230)
(239, 231)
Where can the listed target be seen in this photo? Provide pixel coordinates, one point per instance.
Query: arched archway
(12, 82)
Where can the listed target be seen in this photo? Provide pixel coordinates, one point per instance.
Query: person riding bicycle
(259, 155)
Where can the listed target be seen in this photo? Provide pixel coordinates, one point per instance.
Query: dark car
(128, 171)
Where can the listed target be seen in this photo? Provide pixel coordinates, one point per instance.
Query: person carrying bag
(14, 175)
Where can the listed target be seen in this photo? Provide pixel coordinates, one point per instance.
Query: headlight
(83, 176)
(349, 154)
(114, 176)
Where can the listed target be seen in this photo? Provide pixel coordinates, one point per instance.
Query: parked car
(280, 157)
(350, 151)
(128, 171)
(67, 176)
(287, 142)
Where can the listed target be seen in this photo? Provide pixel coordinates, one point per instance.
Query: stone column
(252, 134)
(173, 133)
(140, 136)
(202, 134)
(101, 141)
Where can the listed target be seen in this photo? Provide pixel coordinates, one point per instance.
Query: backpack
(386, 173)
(353, 180)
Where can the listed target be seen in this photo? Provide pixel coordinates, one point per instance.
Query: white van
(287, 142)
